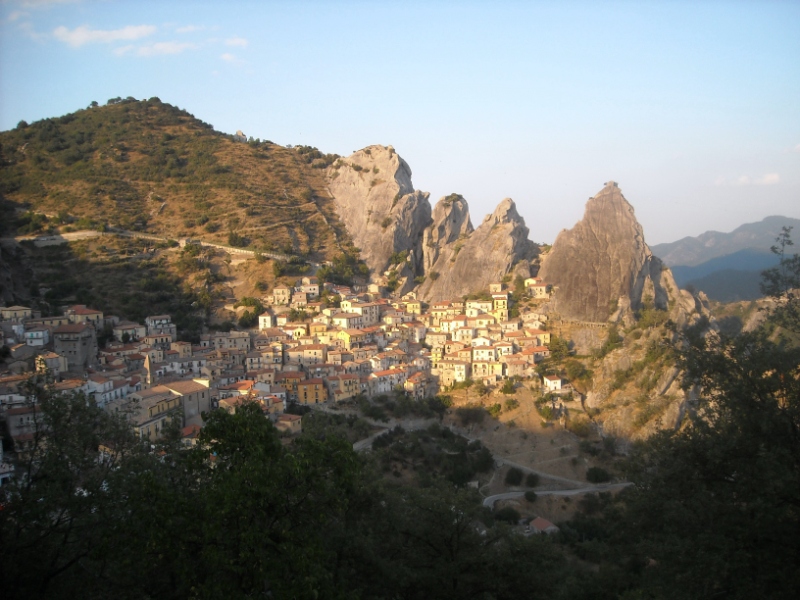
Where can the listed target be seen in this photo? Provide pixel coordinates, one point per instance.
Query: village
(303, 352)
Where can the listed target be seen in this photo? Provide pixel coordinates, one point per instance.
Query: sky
(692, 107)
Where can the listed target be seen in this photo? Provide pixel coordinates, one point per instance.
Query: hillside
(149, 166)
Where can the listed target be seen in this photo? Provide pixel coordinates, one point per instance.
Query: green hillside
(149, 166)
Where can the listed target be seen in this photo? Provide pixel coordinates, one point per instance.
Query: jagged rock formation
(464, 261)
(377, 203)
(602, 268)
(637, 387)
(451, 222)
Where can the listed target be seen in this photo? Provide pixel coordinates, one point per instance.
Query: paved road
(490, 500)
(56, 239)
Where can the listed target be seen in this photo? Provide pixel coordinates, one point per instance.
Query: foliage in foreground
(241, 516)
(715, 509)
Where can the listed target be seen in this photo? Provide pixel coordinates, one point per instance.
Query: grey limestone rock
(472, 261)
(384, 214)
(451, 222)
(378, 204)
(602, 268)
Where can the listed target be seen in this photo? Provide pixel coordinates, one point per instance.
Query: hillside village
(303, 352)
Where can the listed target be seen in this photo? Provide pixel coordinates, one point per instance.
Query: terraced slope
(150, 166)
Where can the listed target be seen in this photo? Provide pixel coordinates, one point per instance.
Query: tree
(56, 522)
(171, 523)
(716, 504)
(782, 283)
(597, 475)
(439, 542)
(559, 348)
(514, 476)
(508, 387)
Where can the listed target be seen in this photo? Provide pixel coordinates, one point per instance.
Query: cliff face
(602, 267)
(466, 261)
(378, 204)
(637, 387)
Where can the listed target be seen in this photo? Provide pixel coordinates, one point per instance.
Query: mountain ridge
(692, 251)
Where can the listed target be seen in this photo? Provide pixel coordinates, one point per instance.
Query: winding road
(490, 500)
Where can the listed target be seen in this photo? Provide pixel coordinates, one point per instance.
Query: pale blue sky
(693, 107)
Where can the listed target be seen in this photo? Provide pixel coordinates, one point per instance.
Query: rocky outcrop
(451, 223)
(602, 268)
(377, 203)
(465, 261)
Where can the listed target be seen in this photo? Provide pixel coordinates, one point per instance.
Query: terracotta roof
(541, 524)
(22, 410)
(288, 417)
(191, 431)
(82, 310)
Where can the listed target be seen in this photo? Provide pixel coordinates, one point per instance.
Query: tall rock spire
(602, 268)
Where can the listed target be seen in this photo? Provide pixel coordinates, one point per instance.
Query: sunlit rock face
(466, 261)
(378, 204)
(384, 215)
(602, 268)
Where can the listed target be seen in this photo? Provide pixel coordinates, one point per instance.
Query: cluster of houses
(367, 345)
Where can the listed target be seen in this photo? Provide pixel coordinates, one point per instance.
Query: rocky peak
(378, 204)
(450, 222)
(473, 260)
(506, 212)
(602, 267)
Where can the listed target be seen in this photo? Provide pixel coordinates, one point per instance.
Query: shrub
(514, 476)
(580, 427)
(470, 414)
(508, 387)
(532, 479)
(530, 496)
(398, 258)
(507, 514)
(597, 475)
(511, 404)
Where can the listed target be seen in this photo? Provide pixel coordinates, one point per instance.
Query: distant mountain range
(726, 266)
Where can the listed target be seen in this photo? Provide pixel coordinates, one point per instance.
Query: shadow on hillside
(731, 325)
(125, 277)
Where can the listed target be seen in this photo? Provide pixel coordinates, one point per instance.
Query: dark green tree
(715, 508)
